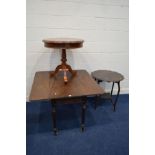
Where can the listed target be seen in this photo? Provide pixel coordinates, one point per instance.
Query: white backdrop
(103, 24)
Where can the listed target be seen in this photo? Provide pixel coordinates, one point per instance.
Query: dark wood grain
(82, 84)
(108, 76)
(64, 43)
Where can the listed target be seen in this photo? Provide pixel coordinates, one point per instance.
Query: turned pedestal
(63, 44)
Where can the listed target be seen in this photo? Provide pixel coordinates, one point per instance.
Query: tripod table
(63, 44)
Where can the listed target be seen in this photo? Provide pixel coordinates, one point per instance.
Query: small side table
(109, 76)
(63, 44)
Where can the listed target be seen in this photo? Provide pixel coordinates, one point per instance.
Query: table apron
(70, 100)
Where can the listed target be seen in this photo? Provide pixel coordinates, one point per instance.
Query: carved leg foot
(82, 128)
(55, 130)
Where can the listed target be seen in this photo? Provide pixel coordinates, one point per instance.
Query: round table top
(66, 43)
(107, 75)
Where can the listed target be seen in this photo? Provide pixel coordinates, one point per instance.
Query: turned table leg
(55, 130)
(83, 114)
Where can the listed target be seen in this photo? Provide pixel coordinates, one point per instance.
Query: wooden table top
(45, 88)
(107, 75)
(67, 43)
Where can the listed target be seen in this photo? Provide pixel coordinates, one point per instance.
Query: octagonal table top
(107, 75)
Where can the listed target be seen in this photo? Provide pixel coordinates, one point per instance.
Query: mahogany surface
(45, 87)
(64, 43)
(78, 88)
